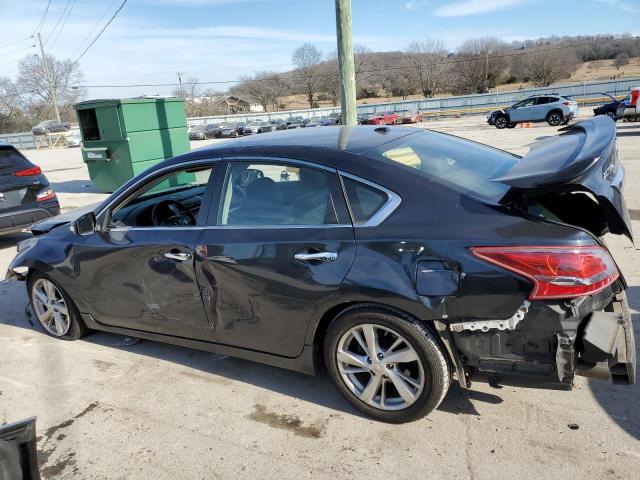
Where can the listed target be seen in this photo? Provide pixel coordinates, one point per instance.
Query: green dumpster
(123, 137)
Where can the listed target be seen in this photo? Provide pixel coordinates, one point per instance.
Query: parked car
(413, 116)
(383, 118)
(228, 131)
(553, 109)
(362, 118)
(328, 121)
(278, 124)
(50, 126)
(256, 127)
(295, 122)
(203, 132)
(613, 109)
(74, 140)
(240, 127)
(25, 194)
(391, 293)
(312, 122)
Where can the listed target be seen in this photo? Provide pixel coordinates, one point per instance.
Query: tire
(500, 122)
(426, 366)
(611, 115)
(70, 328)
(511, 125)
(555, 119)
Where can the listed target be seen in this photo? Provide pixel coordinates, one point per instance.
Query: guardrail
(584, 93)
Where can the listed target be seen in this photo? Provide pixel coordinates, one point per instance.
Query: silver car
(553, 109)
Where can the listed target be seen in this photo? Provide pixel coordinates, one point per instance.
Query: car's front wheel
(387, 365)
(54, 309)
(554, 119)
(500, 122)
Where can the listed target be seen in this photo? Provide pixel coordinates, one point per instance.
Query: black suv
(25, 194)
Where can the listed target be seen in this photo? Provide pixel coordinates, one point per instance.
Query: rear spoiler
(566, 158)
(583, 158)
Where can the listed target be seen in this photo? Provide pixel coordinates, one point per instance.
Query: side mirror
(85, 225)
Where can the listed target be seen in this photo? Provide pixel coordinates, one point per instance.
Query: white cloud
(625, 7)
(416, 4)
(474, 7)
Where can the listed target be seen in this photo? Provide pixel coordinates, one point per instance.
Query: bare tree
(330, 74)
(266, 88)
(621, 60)
(543, 67)
(192, 92)
(480, 65)
(307, 59)
(12, 114)
(64, 78)
(431, 72)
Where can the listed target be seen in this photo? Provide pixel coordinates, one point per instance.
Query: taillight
(46, 194)
(27, 172)
(556, 272)
(569, 103)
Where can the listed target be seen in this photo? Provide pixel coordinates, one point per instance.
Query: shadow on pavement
(621, 402)
(74, 186)
(318, 389)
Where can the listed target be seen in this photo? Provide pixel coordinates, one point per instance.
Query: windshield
(463, 164)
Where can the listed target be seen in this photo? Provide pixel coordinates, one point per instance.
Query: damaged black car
(396, 258)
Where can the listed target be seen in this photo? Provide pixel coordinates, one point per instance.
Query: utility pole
(180, 82)
(47, 73)
(345, 62)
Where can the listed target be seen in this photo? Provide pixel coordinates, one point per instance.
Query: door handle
(316, 256)
(179, 257)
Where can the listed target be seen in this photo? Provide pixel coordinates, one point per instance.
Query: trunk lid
(583, 158)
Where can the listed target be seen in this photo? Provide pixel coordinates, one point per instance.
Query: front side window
(280, 194)
(170, 200)
(525, 103)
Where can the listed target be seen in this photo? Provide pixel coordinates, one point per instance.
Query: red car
(383, 118)
(410, 117)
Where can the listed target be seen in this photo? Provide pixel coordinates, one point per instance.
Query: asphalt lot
(150, 410)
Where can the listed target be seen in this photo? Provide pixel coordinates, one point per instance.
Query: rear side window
(365, 200)
(11, 160)
(462, 164)
(544, 100)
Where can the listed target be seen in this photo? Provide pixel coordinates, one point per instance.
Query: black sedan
(50, 126)
(25, 194)
(613, 109)
(396, 258)
(203, 132)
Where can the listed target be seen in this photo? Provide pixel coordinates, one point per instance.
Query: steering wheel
(170, 212)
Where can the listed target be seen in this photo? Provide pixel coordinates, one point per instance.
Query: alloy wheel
(50, 307)
(380, 367)
(555, 119)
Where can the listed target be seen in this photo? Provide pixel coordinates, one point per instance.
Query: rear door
(541, 107)
(278, 246)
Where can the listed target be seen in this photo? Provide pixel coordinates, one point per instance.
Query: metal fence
(19, 140)
(586, 93)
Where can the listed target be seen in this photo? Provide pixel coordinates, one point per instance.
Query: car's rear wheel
(54, 309)
(386, 364)
(500, 122)
(555, 119)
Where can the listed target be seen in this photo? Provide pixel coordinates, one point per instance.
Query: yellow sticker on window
(405, 155)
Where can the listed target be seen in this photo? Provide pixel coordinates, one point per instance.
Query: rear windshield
(462, 164)
(10, 157)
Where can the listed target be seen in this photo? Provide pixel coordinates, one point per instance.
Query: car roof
(354, 139)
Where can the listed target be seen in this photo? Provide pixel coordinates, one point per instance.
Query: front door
(278, 248)
(522, 111)
(138, 270)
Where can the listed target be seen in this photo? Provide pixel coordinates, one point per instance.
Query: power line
(42, 20)
(93, 29)
(63, 24)
(66, 5)
(294, 77)
(17, 51)
(16, 42)
(101, 31)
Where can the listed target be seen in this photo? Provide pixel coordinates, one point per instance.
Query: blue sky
(215, 40)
